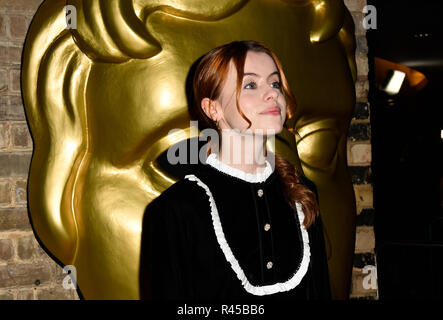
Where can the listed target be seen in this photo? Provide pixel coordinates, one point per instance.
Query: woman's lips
(272, 111)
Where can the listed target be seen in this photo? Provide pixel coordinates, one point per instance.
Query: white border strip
(256, 290)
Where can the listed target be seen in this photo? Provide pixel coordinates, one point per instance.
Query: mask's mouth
(179, 159)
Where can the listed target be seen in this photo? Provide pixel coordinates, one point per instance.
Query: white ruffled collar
(213, 161)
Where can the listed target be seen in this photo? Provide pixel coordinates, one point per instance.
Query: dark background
(407, 152)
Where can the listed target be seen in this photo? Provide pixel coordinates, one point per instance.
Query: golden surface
(101, 99)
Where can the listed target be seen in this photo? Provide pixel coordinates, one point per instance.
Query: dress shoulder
(181, 189)
(183, 199)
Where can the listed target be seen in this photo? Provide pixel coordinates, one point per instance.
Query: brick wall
(27, 272)
(359, 161)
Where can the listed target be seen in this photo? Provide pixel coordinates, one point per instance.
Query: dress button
(260, 192)
(267, 227)
(269, 265)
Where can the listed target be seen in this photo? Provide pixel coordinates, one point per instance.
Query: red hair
(209, 77)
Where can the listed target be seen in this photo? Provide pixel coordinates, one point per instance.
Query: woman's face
(261, 98)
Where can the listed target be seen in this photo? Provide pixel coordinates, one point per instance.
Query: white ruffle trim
(256, 290)
(249, 177)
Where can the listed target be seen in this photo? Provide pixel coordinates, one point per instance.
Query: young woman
(245, 224)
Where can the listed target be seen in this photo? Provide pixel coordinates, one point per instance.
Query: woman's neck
(243, 151)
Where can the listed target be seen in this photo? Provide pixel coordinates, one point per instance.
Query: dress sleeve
(166, 253)
(319, 262)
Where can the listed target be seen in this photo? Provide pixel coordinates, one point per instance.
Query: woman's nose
(270, 94)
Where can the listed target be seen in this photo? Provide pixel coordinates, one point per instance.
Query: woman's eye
(250, 85)
(276, 84)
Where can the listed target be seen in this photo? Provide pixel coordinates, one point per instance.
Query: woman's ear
(210, 108)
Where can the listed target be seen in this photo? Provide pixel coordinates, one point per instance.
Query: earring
(216, 121)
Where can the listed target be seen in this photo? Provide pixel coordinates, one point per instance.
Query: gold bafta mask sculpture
(101, 98)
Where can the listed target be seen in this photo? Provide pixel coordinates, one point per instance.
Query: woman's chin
(269, 130)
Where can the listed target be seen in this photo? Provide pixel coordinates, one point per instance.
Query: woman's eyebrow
(256, 75)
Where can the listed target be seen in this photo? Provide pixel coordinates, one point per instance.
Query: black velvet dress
(223, 234)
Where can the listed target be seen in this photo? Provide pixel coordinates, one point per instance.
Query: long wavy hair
(209, 77)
